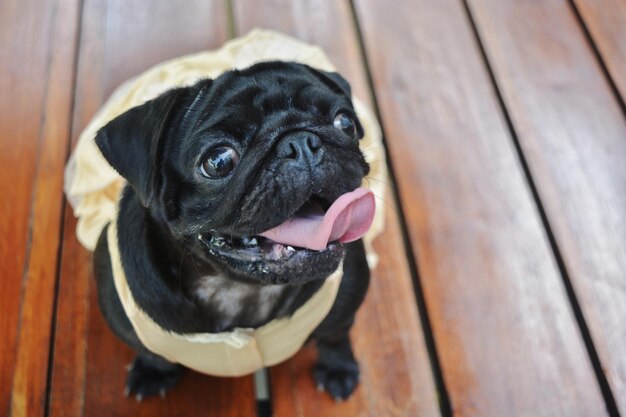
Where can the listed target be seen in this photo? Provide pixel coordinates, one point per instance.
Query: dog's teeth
(290, 249)
(276, 252)
(249, 241)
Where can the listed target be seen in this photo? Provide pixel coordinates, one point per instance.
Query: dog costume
(93, 188)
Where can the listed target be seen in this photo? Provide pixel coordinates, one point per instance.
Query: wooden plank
(33, 350)
(606, 22)
(503, 327)
(118, 40)
(388, 338)
(573, 134)
(68, 382)
(21, 108)
(34, 119)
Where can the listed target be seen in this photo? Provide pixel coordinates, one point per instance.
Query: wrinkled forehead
(272, 88)
(250, 97)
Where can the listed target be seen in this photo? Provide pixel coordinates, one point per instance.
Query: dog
(243, 196)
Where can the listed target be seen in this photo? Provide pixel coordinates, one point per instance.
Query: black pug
(212, 170)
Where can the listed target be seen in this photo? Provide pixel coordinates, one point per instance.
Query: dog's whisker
(377, 180)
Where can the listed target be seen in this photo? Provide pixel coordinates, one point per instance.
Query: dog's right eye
(344, 123)
(219, 162)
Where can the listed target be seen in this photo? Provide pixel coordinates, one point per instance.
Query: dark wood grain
(606, 22)
(118, 40)
(388, 339)
(68, 384)
(573, 134)
(23, 83)
(503, 327)
(35, 109)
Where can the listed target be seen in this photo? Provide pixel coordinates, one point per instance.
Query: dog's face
(224, 160)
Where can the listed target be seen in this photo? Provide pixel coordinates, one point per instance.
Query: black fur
(279, 118)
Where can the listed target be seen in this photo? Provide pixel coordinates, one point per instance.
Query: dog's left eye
(219, 162)
(344, 123)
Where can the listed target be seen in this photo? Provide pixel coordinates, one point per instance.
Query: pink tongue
(345, 221)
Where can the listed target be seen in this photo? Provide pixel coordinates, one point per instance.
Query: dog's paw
(339, 381)
(144, 380)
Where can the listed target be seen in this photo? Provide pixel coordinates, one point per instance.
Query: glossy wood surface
(573, 135)
(605, 21)
(35, 108)
(501, 318)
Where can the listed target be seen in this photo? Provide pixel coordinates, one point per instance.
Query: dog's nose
(301, 145)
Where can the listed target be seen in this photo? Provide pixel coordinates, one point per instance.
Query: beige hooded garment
(92, 187)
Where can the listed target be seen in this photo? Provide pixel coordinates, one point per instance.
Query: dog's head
(257, 170)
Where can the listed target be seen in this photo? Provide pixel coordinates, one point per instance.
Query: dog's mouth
(258, 248)
(317, 227)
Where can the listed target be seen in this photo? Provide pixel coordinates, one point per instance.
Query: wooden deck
(502, 284)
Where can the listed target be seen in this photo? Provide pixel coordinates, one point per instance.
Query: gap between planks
(598, 56)
(59, 257)
(605, 388)
(444, 399)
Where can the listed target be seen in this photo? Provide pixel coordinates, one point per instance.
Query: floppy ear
(333, 80)
(132, 142)
(341, 82)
